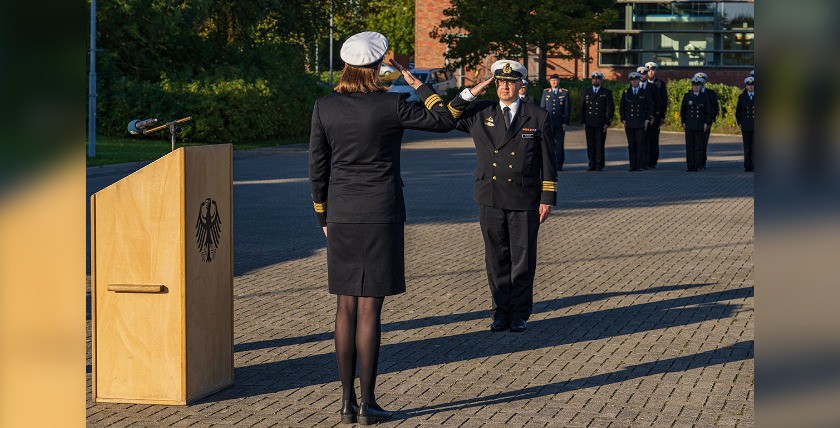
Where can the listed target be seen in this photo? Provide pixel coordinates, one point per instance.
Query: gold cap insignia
(507, 68)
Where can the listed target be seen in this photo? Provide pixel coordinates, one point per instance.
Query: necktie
(555, 91)
(751, 97)
(506, 112)
(596, 90)
(635, 91)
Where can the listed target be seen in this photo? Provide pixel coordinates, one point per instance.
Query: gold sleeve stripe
(549, 186)
(432, 100)
(319, 208)
(455, 112)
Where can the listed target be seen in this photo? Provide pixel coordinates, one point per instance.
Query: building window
(681, 34)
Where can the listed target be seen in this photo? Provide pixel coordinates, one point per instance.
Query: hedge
(225, 110)
(727, 96)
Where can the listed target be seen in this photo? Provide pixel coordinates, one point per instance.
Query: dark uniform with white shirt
(745, 117)
(559, 107)
(596, 112)
(653, 91)
(713, 98)
(635, 109)
(514, 175)
(695, 113)
(660, 117)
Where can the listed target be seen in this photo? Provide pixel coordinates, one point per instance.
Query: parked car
(441, 80)
(386, 69)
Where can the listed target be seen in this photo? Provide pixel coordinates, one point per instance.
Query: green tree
(394, 19)
(508, 28)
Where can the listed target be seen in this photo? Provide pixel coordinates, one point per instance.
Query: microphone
(138, 126)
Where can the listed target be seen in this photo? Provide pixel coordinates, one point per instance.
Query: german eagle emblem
(507, 69)
(208, 229)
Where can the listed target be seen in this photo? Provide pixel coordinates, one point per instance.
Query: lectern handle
(135, 288)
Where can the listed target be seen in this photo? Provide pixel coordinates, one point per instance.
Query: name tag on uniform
(528, 132)
(531, 135)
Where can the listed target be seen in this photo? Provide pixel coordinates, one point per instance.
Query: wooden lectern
(162, 280)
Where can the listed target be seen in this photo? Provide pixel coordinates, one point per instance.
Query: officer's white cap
(364, 49)
(698, 79)
(749, 80)
(651, 65)
(642, 69)
(597, 74)
(635, 75)
(701, 75)
(524, 82)
(504, 69)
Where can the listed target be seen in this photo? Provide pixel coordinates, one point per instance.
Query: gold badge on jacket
(489, 121)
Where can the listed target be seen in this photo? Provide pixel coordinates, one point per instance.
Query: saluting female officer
(354, 169)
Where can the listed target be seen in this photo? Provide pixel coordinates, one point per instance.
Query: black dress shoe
(590, 169)
(499, 325)
(349, 409)
(371, 414)
(652, 166)
(632, 169)
(518, 326)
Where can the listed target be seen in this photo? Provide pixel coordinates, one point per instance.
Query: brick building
(717, 37)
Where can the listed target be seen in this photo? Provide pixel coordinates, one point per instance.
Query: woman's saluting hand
(409, 78)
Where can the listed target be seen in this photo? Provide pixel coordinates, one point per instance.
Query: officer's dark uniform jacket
(358, 181)
(655, 97)
(597, 110)
(713, 99)
(663, 97)
(557, 105)
(745, 112)
(634, 110)
(516, 169)
(696, 111)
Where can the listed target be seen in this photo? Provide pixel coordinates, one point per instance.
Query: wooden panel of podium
(162, 280)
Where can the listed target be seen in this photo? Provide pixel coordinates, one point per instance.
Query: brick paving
(643, 301)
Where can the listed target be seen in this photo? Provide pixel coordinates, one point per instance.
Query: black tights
(358, 327)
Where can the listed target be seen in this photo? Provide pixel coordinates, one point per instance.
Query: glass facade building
(709, 34)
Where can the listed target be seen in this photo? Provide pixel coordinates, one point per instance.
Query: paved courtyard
(644, 308)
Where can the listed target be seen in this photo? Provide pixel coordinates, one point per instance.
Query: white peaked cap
(364, 49)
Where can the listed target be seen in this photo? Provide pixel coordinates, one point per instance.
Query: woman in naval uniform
(354, 169)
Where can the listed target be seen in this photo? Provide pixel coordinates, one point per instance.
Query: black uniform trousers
(706, 145)
(510, 253)
(694, 149)
(749, 136)
(596, 140)
(636, 147)
(652, 140)
(559, 149)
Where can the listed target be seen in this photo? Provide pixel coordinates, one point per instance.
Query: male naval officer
(596, 111)
(713, 98)
(636, 112)
(656, 98)
(555, 100)
(523, 93)
(653, 138)
(696, 115)
(515, 187)
(745, 117)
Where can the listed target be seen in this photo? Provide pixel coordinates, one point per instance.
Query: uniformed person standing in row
(636, 112)
(523, 93)
(745, 117)
(515, 187)
(596, 112)
(696, 115)
(713, 97)
(354, 169)
(659, 120)
(655, 97)
(555, 100)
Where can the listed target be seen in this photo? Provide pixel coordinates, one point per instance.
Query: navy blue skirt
(366, 259)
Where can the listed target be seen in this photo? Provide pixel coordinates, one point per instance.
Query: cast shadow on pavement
(539, 307)
(736, 352)
(276, 376)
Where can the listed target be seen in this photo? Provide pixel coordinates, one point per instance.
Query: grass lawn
(111, 150)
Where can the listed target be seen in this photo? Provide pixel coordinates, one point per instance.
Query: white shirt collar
(595, 89)
(514, 107)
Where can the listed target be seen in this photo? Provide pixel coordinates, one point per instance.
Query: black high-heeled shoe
(371, 414)
(349, 409)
